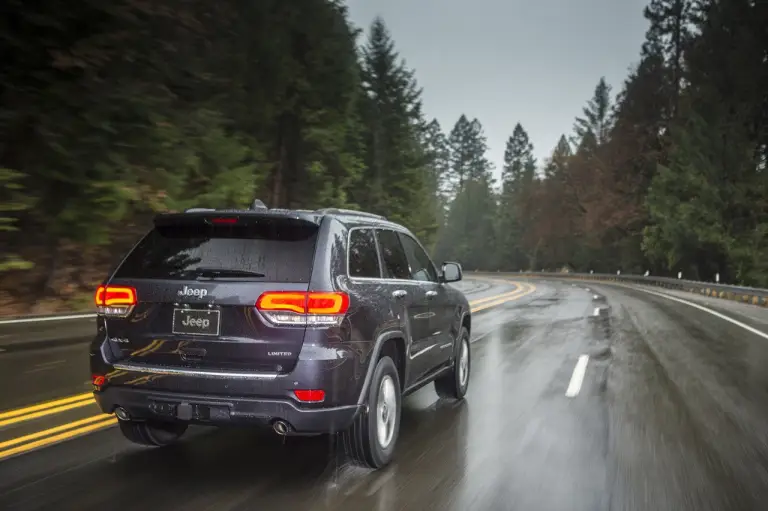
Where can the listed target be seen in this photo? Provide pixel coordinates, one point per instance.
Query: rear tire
(454, 385)
(370, 441)
(152, 434)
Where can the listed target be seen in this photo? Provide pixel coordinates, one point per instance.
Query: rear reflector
(299, 308)
(310, 396)
(98, 381)
(115, 300)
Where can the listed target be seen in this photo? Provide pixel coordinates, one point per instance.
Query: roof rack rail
(198, 210)
(350, 212)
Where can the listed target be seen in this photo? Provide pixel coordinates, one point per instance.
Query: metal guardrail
(743, 294)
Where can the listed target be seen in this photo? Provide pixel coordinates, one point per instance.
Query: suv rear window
(281, 251)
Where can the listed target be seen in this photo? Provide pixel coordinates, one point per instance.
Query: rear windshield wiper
(214, 273)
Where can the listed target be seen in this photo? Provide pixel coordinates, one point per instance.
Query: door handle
(431, 294)
(399, 294)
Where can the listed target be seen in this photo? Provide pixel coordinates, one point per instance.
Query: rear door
(423, 271)
(404, 289)
(197, 283)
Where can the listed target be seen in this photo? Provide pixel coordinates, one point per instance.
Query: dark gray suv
(308, 322)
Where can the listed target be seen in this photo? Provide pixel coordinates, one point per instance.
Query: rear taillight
(303, 309)
(115, 300)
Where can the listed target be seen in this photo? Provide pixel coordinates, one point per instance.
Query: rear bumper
(143, 404)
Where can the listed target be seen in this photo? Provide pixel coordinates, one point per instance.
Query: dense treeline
(670, 176)
(112, 111)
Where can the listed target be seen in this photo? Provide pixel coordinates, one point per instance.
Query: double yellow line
(52, 435)
(41, 410)
(101, 421)
(523, 289)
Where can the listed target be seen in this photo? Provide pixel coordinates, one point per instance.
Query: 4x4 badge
(196, 292)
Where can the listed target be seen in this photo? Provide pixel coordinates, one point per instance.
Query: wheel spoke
(463, 363)
(389, 393)
(386, 411)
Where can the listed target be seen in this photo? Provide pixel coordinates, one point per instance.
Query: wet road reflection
(645, 431)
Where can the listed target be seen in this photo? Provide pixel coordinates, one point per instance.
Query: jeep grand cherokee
(308, 322)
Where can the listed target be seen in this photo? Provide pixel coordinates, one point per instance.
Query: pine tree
(460, 150)
(669, 34)
(552, 223)
(397, 176)
(472, 207)
(469, 235)
(468, 160)
(556, 166)
(593, 129)
(517, 157)
(437, 156)
(517, 178)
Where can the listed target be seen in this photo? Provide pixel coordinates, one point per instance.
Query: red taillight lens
(283, 301)
(327, 303)
(115, 300)
(115, 295)
(299, 308)
(310, 396)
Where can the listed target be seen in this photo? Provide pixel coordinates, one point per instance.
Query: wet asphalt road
(672, 414)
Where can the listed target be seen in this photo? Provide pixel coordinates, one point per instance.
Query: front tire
(152, 434)
(370, 441)
(454, 385)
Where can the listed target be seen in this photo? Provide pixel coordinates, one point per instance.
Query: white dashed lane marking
(577, 378)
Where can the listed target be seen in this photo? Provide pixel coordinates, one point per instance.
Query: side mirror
(452, 272)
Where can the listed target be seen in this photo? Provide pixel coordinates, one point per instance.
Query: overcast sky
(506, 61)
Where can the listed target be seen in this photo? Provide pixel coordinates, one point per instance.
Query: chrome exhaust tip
(280, 427)
(122, 414)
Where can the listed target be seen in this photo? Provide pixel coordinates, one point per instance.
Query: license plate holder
(196, 322)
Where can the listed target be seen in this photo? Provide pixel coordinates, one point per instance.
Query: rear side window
(281, 251)
(363, 257)
(395, 260)
(421, 267)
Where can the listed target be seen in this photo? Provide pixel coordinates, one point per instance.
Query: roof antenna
(257, 204)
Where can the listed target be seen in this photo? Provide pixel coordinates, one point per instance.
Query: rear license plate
(196, 322)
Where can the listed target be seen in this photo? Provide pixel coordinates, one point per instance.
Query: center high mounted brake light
(224, 220)
(303, 309)
(115, 301)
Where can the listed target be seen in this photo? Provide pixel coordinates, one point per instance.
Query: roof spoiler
(232, 217)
